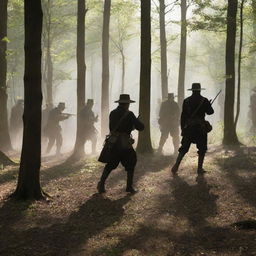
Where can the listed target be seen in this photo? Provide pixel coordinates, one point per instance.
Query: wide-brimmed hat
(124, 98)
(196, 87)
(171, 95)
(90, 101)
(61, 104)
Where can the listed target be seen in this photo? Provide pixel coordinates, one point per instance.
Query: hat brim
(124, 101)
(201, 89)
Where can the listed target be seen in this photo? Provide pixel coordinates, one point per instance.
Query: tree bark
(163, 46)
(144, 140)
(105, 69)
(230, 136)
(48, 60)
(239, 63)
(123, 71)
(81, 73)
(28, 186)
(5, 141)
(183, 52)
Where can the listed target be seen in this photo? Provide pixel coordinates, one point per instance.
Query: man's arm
(208, 107)
(138, 125)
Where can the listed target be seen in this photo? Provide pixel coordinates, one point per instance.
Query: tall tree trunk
(48, 61)
(5, 141)
(183, 51)
(230, 136)
(81, 72)
(163, 46)
(239, 63)
(144, 140)
(123, 71)
(28, 186)
(253, 50)
(105, 69)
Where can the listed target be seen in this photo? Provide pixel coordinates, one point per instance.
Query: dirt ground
(183, 215)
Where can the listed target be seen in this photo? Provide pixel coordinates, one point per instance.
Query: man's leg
(129, 160)
(58, 143)
(94, 143)
(51, 140)
(185, 145)
(176, 140)
(109, 167)
(163, 138)
(202, 148)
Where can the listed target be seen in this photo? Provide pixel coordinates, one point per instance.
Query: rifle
(68, 114)
(215, 97)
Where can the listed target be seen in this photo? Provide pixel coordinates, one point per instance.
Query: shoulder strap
(120, 121)
(198, 107)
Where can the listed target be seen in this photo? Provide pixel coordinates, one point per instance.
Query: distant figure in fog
(88, 119)
(45, 113)
(52, 130)
(121, 123)
(252, 111)
(169, 116)
(194, 127)
(16, 122)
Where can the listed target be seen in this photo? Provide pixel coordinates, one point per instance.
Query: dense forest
(68, 62)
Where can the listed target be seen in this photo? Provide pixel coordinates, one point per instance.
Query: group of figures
(118, 147)
(52, 128)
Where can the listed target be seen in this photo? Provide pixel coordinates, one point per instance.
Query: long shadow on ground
(239, 168)
(93, 216)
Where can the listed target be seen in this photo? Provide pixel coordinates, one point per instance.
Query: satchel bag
(109, 143)
(205, 125)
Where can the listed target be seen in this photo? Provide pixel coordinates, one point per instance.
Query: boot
(129, 187)
(101, 185)
(175, 167)
(200, 169)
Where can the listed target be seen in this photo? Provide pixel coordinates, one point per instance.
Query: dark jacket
(169, 114)
(190, 104)
(129, 123)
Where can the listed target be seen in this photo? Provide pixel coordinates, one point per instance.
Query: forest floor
(183, 215)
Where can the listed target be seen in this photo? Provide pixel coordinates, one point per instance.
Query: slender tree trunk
(239, 63)
(183, 52)
(144, 141)
(105, 69)
(230, 136)
(49, 64)
(28, 186)
(123, 71)
(253, 54)
(5, 141)
(81, 72)
(163, 46)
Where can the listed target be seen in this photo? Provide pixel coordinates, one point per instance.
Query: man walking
(194, 127)
(169, 123)
(121, 123)
(52, 129)
(88, 119)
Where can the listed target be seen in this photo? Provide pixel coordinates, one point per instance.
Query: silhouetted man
(169, 123)
(253, 110)
(88, 119)
(122, 122)
(52, 129)
(193, 126)
(16, 122)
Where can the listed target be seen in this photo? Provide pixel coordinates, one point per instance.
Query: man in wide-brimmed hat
(121, 123)
(193, 126)
(169, 116)
(52, 130)
(88, 119)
